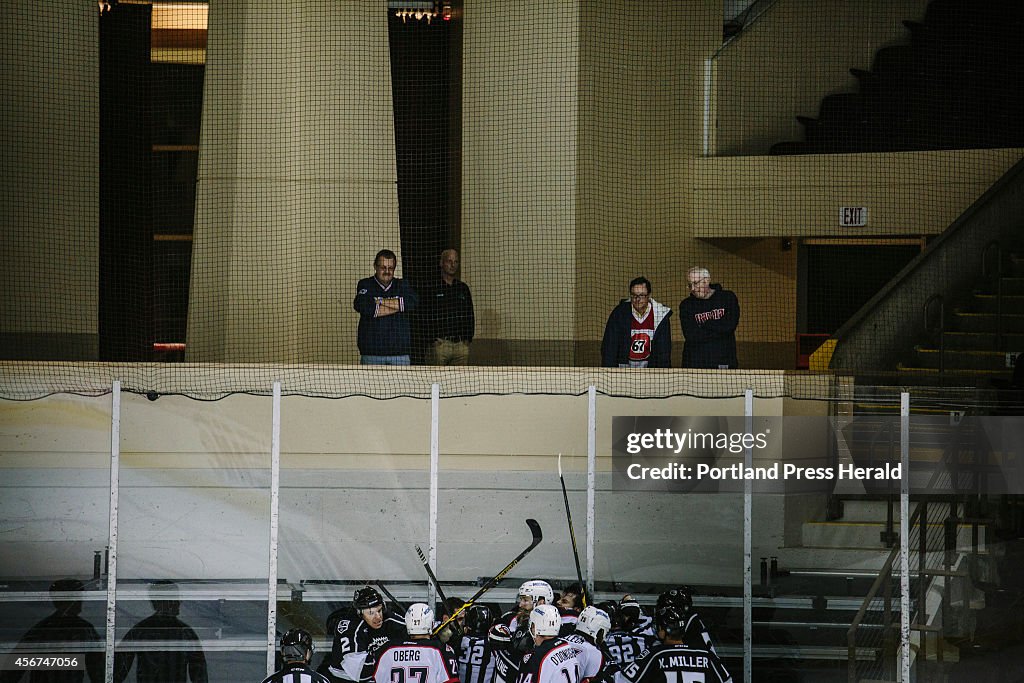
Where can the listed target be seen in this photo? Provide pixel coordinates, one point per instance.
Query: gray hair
(699, 270)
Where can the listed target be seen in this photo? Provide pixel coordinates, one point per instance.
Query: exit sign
(853, 216)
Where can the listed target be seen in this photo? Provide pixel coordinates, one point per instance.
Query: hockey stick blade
(538, 536)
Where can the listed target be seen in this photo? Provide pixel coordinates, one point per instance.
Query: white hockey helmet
(419, 619)
(538, 589)
(545, 621)
(594, 622)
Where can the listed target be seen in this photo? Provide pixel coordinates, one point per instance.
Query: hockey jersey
(296, 673)
(553, 661)
(590, 657)
(674, 663)
(414, 661)
(353, 639)
(476, 660)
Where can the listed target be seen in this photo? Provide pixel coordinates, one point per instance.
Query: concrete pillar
(580, 122)
(296, 189)
(49, 150)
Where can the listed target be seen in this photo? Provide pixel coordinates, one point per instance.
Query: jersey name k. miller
(677, 664)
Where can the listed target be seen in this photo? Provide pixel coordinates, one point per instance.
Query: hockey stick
(434, 581)
(391, 597)
(572, 535)
(493, 581)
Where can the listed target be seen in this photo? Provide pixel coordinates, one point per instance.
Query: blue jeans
(385, 360)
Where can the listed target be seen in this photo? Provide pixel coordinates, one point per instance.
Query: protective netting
(193, 184)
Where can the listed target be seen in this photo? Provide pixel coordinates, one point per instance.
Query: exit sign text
(853, 216)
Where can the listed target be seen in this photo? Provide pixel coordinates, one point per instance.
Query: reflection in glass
(185, 662)
(63, 628)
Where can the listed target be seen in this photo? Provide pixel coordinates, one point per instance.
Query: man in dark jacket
(637, 334)
(450, 316)
(708, 317)
(384, 302)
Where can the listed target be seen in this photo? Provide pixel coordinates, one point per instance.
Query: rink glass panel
(354, 501)
(194, 529)
(54, 482)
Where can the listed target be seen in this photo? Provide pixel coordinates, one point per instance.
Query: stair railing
(930, 565)
(995, 278)
(940, 332)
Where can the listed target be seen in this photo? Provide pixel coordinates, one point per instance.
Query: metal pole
(748, 592)
(591, 479)
(275, 511)
(435, 414)
(905, 536)
(115, 463)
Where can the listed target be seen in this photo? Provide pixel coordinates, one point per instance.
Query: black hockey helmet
(671, 619)
(297, 645)
(629, 611)
(681, 598)
(365, 598)
(479, 619)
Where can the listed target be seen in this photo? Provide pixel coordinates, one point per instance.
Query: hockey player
(419, 659)
(476, 652)
(296, 651)
(672, 661)
(570, 602)
(624, 646)
(633, 618)
(369, 630)
(591, 629)
(553, 660)
(696, 634)
(531, 594)
(510, 638)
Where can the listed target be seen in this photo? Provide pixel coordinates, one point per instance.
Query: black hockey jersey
(553, 661)
(476, 660)
(296, 673)
(675, 664)
(353, 639)
(626, 647)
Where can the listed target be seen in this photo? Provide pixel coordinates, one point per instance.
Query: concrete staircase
(979, 337)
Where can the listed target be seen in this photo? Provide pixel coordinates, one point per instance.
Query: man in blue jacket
(637, 334)
(384, 302)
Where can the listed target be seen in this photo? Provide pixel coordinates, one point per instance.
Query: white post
(905, 537)
(115, 463)
(275, 509)
(435, 421)
(591, 482)
(748, 592)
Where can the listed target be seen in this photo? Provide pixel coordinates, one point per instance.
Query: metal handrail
(997, 280)
(883, 578)
(941, 330)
